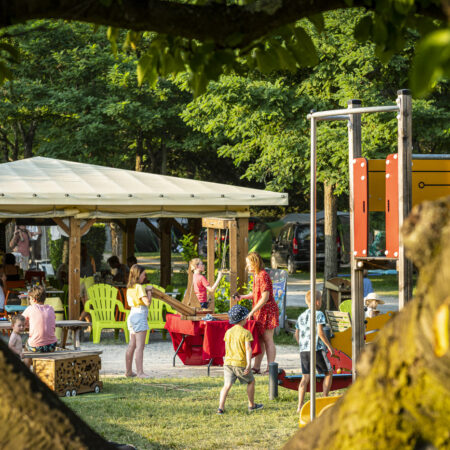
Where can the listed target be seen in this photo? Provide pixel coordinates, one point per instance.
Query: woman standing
(264, 311)
(139, 300)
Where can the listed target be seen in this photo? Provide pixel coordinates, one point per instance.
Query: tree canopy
(209, 38)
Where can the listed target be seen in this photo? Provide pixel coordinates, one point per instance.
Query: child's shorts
(232, 373)
(49, 348)
(322, 363)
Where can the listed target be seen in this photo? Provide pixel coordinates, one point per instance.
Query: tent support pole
(74, 268)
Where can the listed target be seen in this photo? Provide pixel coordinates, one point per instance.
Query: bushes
(95, 241)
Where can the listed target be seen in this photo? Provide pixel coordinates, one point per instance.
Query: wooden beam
(74, 268)
(242, 252)
(178, 226)
(120, 223)
(87, 226)
(152, 227)
(404, 192)
(233, 256)
(128, 239)
(190, 298)
(62, 225)
(165, 251)
(220, 224)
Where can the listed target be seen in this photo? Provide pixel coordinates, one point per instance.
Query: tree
(260, 120)
(207, 38)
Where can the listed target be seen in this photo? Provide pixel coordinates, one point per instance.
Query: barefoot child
(303, 336)
(238, 357)
(200, 283)
(15, 340)
(138, 300)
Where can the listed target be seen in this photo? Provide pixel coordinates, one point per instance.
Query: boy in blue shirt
(303, 336)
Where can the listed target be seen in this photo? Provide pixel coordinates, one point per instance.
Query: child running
(238, 357)
(303, 337)
(138, 299)
(15, 340)
(200, 283)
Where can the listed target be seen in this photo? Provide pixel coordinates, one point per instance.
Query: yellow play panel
(322, 404)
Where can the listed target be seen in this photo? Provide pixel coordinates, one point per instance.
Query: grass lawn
(181, 413)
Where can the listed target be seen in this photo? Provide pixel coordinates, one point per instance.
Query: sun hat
(372, 297)
(237, 313)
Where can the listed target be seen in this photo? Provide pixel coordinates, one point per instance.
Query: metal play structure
(358, 223)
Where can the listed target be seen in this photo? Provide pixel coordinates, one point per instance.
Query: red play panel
(392, 231)
(360, 207)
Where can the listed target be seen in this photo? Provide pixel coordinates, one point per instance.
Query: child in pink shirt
(200, 283)
(41, 319)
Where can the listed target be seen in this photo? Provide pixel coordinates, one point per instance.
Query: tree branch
(226, 25)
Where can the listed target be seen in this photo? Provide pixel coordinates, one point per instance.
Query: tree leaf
(318, 21)
(431, 63)
(112, 34)
(305, 50)
(363, 29)
(144, 66)
(11, 50)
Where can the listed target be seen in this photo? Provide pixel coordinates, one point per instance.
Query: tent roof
(45, 187)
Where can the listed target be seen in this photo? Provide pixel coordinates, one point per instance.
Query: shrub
(190, 250)
(223, 296)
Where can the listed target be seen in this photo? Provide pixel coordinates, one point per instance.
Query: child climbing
(200, 283)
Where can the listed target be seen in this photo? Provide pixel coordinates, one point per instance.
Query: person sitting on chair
(119, 271)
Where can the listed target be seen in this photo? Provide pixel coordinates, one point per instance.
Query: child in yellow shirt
(238, 357)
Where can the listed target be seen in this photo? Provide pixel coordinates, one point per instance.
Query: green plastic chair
(156, 319)
(101, 306)
(346, 306)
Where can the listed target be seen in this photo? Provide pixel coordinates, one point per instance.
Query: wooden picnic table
(75, 326)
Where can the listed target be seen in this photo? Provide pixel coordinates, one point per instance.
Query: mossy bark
(401, 398)
(32, 416)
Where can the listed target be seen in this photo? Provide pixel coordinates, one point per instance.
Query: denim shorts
(137, 319)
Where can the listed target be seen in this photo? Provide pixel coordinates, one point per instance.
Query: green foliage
(223, 296)
(190, 249)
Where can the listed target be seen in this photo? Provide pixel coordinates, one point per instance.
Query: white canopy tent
(44, 188)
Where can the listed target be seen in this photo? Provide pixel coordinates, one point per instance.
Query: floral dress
(267, 317)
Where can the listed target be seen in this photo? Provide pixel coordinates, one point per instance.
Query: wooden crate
(69, 373)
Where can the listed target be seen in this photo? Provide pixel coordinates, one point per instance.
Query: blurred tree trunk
(116, 239)
(401, 398)
(32, 416)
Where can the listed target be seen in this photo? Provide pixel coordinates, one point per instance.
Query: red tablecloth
(204, 339)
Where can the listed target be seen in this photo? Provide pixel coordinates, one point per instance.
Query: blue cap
(237, 313)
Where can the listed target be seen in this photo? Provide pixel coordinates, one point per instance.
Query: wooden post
(128, 240)
(165, 252)
(233, 233)
(354, 146)
(404, 191)
(210, 253)
(74, 268)
(242, 251)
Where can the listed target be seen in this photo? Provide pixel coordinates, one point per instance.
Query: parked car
(292, 247)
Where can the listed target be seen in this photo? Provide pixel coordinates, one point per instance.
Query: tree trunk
(330, 210)
(116, 239)
(32, 416)
(139, 166)
(28, 138)
(402, 397)
(163, 160)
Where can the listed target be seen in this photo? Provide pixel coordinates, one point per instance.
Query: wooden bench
(338, 320)
(68, 373)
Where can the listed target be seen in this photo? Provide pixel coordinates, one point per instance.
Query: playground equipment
(352, 116)
(322, 405)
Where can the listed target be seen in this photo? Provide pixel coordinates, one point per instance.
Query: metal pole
(367, 110)
(354, 151)
(404, 191)
(273, 380)
(312, 323)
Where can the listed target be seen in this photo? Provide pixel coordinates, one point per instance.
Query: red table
(198, 343)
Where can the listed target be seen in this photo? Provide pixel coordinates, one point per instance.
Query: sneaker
(220, 411)
(255, 407)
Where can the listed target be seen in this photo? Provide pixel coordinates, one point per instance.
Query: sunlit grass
(181, 413)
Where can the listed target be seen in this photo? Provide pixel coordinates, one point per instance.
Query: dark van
(292, 247)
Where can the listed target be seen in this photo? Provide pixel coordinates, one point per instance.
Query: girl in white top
(139, 299)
